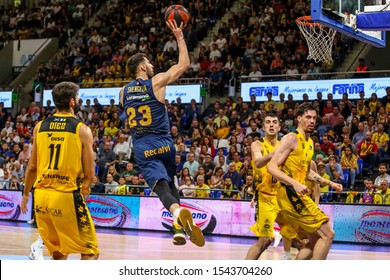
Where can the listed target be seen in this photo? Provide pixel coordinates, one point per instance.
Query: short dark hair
(134, 61)
(304, 107)
(63, 93)
(271, 115)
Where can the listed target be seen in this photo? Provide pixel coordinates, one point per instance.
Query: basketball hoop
(319, 39)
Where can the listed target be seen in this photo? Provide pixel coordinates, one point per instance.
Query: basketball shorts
(155, 156)
(267, 209)
(290, 231)
(64, 222)
(300, 211)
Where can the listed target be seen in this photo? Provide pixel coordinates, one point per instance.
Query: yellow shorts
(288, 230)
(300, 211)
(64, 222)
(266, 212)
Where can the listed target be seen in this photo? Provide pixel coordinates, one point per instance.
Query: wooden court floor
(16, 239)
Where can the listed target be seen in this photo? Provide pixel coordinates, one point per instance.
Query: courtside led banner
(367, 224)
(6, 98)
(297, 88)
(114, 211)
(10, 202)
(104, 95)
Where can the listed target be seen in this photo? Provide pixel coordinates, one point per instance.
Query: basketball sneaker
(193, 232)
(179, 236)
(36, 251)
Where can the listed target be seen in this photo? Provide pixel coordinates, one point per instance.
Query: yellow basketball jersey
(298, 162)
(59, 152)
(122, 189)
(268, 184)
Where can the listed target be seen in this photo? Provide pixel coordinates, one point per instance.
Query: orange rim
(306, 20)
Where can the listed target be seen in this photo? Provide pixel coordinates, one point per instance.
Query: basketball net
(319, 39)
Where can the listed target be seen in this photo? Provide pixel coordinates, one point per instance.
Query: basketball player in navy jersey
(143, 100)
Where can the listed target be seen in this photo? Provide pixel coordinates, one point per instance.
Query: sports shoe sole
(194, 232)
(179, 239)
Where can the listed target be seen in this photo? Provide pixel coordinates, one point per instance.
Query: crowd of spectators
(258, 40)
(214, 148)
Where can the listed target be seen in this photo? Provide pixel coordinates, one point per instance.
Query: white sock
(40, 241)
(176, 215)
(287, 254)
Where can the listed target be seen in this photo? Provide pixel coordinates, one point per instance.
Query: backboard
(341, 16)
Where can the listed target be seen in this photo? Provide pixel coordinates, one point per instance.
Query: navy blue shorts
(155, 156)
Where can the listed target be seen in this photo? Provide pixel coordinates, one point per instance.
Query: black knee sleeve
(164, 192)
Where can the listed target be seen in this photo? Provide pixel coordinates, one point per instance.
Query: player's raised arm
(174, 73)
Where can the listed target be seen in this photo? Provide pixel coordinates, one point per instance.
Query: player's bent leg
(321, 247)
(305, 252)
(258, 248)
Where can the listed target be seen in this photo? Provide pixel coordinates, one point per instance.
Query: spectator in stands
(202, 190)
(188, 188)
(229, 189)
(318, 151)
(368, 151)
(110, 184)
(122, 148)
(234, 175)
(382, 175)
(313, 72)
(368, 196)
(327, 144)
(216, 82)
(324, 127)
(192, 164)
(97, 186)
(362, 69)
(255, 75)
(121, 189)
(335, 172)
(111, 130)
(381, 139)
(106, 159)
(349, 165)
(136, 187)
(382, 196)
(223, 131)
(360, 135)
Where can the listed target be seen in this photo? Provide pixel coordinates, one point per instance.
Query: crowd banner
(352, 87)
(104, 95)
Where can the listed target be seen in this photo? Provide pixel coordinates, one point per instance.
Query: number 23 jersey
(59, 152)
(145, 114)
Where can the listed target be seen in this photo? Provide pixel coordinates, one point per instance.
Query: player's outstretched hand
(337, 187)
(177, 30)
